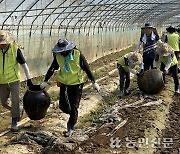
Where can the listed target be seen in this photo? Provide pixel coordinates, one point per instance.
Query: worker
(149, 38)
(172, 38)
(10, 58)
(71, 64)
(169, 62)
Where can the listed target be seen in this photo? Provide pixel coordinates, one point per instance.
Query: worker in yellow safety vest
(10, 58)
(125, 65)
(169, 62)
(172, 38)
(71, 64)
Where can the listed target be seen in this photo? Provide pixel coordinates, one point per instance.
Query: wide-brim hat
(135, 58)
(147, 25)
(63, 45)
(6, 37)
(170, 29)
(164, 49)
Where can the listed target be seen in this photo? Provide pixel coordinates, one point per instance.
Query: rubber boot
(14, 127)
(177, 90)
(121, 94)
(126, 91)
(21, 113)
(70, 130)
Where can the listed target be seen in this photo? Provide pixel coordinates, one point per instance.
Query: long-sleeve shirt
(168, 65)
(133, 71)
(83, 64)
(149, 45)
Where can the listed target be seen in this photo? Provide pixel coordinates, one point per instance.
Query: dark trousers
(124, 78)
(176, 54)
(174, 71)
(70, 96)
(148, 63)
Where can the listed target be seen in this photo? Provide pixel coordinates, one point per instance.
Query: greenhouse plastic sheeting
(98, 27)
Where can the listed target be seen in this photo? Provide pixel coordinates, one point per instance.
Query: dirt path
(150, 120)
(135, 124)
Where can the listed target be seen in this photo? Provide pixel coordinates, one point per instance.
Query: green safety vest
(10, 72)
(165, 60)
(75, 74)
(121, 62)
(173, 41)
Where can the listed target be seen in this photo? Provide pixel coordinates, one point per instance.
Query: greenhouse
(100, 31)
(98, 27)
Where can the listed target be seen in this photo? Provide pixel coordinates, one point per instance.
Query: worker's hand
(165, 72)
(29, 83)
(43, 85)
(96, 86)
(141, 73)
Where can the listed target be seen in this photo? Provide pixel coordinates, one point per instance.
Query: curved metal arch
(38, 15)
(165, 18)
(149, 12)
(29, 8)
(129, 22)
(143, 13)
(169, 12)
(91, 15)
(67, 17)
(51, 14)
(106, 20)
(109, 12)
(117, 23)
(167, 23)
(58, 17)
(84, 14)
(12, 13)
(79, 13)
(115, 14)
(95, 19)
(106, 13)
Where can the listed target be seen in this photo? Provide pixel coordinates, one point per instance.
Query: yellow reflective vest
(173, 41)
(121, 61)
(9, 67)
(75, 74)
(165, 60)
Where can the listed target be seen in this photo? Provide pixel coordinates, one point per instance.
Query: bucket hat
(148, 25)
(63, 45)
(135, 58)
(5, 37)
(170, 29)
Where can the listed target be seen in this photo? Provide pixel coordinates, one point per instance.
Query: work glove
(141, 73)
(165, 72)
(43, 85)
(96, 86)
(29, 83)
